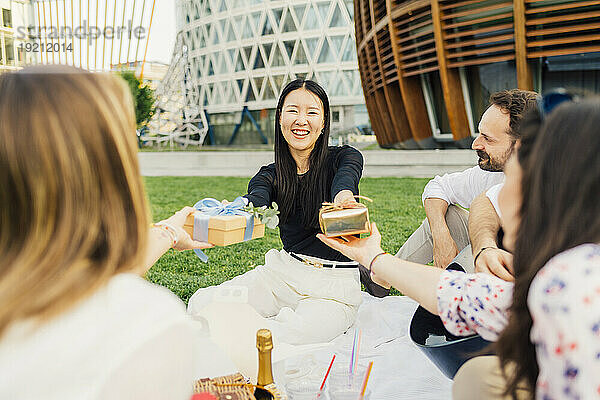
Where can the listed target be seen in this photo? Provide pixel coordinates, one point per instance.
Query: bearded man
(445, 233)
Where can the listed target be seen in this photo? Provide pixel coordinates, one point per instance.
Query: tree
(143, 98)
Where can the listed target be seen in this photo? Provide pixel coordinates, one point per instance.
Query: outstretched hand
(184, 241)
(360, 250)
(344, 198)
(172, 230)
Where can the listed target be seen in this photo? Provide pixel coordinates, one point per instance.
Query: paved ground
(378, 163)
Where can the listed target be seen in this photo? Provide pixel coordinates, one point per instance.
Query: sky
(162, 34)
(102, 50)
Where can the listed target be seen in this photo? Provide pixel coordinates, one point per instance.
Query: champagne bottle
(264, 344)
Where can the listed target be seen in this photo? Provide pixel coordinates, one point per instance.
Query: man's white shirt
(461, 188)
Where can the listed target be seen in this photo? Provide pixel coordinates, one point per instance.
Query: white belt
(322, 263)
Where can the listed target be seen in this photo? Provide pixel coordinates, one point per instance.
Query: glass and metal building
(14, 19)
(428, 66)
(243, 52)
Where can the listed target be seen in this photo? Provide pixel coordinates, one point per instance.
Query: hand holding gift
(362, 250)
(172, 229)
(182, 239)
(224, 223)
(345, 217)
(344, 198)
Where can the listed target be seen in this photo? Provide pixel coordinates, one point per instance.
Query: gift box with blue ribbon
(223, 224)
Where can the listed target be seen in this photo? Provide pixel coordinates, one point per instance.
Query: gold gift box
(348, 221)
(224, 230)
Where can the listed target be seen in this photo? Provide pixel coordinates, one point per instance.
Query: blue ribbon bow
(210, 208)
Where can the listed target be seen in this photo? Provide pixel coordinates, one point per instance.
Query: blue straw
(351, 369)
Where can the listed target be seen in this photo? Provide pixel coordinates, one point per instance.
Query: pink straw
(364, 386)
(356, 354)
(326, 375)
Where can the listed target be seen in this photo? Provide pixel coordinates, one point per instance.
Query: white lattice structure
(242, 52)
(179, 116)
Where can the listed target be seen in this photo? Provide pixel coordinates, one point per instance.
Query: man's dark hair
(516, 103)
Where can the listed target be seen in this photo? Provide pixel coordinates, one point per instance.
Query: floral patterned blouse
(564, 301)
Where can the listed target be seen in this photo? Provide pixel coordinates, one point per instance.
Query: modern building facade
(14, 14)
(243, 52)
(428, 66)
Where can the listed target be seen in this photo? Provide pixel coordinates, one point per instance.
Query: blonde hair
(73, 212)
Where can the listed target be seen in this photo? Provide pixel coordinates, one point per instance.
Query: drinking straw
(357, 353)
(326, 375)
(364, 385)
(351, 366)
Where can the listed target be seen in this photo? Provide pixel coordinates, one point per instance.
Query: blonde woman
(76, 319)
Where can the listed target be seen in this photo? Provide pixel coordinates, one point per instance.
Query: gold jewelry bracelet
(169, 229)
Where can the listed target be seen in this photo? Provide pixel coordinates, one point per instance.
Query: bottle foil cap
(264, 340)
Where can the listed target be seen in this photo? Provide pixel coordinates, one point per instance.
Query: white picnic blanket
(400, 369)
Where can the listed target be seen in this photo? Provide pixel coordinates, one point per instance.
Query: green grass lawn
(396, 208)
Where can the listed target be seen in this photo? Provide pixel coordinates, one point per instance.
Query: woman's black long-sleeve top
(346, 164)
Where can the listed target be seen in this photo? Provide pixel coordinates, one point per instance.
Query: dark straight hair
(560, 210)
(315, 182)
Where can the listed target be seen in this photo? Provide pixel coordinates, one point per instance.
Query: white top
(492, 194)
(462, 187)
(129, 340)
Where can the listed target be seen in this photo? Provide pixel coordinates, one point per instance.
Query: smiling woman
(302, 123)
(307, 304)
(301, 155)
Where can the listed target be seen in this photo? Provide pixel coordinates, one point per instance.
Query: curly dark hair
(516, 103)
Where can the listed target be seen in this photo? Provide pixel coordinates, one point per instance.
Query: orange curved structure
(428, 66)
